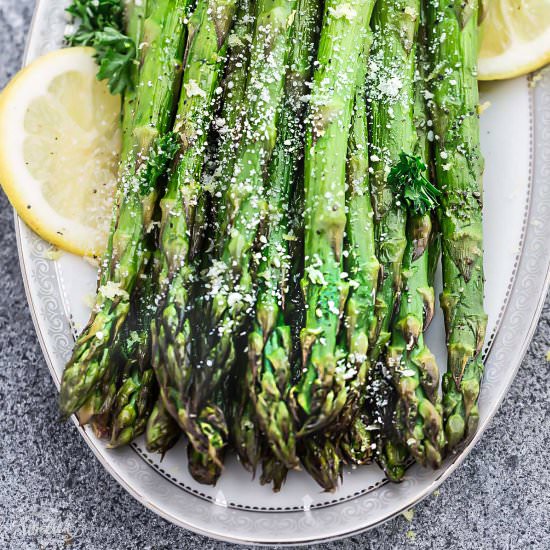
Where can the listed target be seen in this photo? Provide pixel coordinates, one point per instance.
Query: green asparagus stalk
(209, 28)
(137, 394)
(434, 252)
(132, 406)
(392, 457)
(144, 162)
(134, 15)
(97, 410)
(162, 431)
(321, 392)
(391, 131)
(269, 342)
(413, 366)
(424, 150)
(391, 91)
(361, 264)
(229, 284)
(362, 267)
(245, 436)
(453, 39)
(389, 451)
(165, 429)
(274, 473)
(229, 279)
(321, 458)
(97, 406)
(202, 468)
(124, 399)
(231, 120)
(357, 442)
(245, 431)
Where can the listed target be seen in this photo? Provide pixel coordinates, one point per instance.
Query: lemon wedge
(515, 38)
(60, 143)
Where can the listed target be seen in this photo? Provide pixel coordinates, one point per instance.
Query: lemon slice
(515, 38)
(59, 149)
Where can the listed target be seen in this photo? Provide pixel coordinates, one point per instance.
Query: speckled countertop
(55, 494)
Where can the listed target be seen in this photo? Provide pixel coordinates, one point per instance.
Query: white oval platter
(516, 144)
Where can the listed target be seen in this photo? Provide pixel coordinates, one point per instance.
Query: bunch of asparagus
(292, 172)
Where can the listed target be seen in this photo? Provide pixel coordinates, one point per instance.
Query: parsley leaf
(116, 54)
(408, 180)
(93, 16)
(100, 24)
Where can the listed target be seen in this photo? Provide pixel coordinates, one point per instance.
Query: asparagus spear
(97, 408)
(391, 92)
(269, 343)
(347, 437)
(321, 392)
(361, 263)
(273, 472)
(128, 386)
(209, 29)
(231, 120)
(93, 18)
(414, 368)
(229, 285)
(382, 408)
(162, 431)
(245, 431)
(320, 456)
(351, 427)
(452, 46)
(133, 405)
(411, 363)
(363, 269)
(142, 165)
(357, 441)
(390, 452)
(201, 467)
(136, 395)
(391, 130)
(134, 15)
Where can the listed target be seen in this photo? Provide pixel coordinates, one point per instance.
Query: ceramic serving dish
(515, 135)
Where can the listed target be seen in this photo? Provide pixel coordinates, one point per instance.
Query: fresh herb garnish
(408, 180)
(100, 25)
(93, 16)
(115, 56)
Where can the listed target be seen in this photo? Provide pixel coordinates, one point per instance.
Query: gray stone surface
(55, 494)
